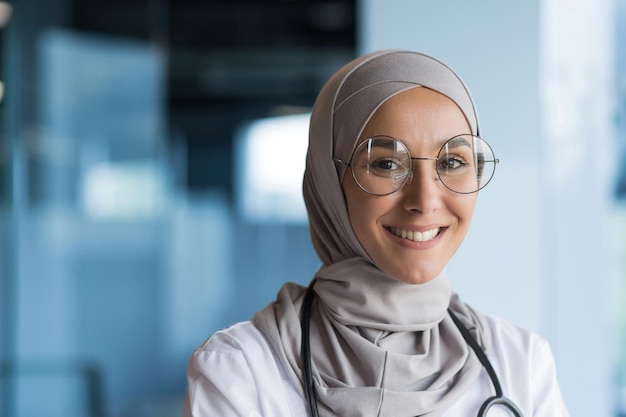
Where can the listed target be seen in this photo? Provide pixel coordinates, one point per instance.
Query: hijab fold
(379, 347)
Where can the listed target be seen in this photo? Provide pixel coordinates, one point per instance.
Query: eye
(385, 164)
(387, 167)
(452, 163)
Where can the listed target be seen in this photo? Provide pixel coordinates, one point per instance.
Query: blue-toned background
(150, 161)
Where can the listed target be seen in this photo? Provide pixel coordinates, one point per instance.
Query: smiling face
(412, 233)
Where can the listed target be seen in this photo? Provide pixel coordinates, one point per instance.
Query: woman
(394, 164)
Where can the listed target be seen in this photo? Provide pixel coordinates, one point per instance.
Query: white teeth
(415, 236)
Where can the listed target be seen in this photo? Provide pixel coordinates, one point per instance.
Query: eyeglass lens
(382, 165)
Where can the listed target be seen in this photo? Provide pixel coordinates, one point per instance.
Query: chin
(419, 278)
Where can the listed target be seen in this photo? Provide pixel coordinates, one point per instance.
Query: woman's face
(422, 119)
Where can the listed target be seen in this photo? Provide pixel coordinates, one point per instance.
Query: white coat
(236, 373)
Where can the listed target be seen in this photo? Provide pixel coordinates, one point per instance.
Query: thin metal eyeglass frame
(409, 177)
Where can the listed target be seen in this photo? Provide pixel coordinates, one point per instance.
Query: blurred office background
(150, 165)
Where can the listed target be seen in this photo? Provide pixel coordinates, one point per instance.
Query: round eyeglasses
(382, 165)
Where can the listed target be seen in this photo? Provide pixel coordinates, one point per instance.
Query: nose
(423, 191)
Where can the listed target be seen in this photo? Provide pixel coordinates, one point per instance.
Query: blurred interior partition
(123, 238)
(90, 227)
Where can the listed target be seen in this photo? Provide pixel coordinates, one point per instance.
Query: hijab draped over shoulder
(379, 347)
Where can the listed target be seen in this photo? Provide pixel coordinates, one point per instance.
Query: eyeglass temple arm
(341, 162)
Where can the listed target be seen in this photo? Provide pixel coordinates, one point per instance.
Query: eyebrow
(390, 142)
(456, 141)
(453, 142)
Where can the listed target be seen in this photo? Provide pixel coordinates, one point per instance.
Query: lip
(413, 244)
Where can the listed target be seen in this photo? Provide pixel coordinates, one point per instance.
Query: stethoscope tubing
(498, 398)
(309, 385)
(305, 352)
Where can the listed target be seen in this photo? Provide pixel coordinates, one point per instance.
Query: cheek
(463, 207)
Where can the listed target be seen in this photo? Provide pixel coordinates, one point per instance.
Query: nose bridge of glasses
(423, 159)
(421, 173)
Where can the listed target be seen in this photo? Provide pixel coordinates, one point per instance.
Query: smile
(415, 236)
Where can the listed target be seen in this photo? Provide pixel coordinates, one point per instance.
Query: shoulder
(234, 340)
(235, 372)
(525, 365)
(506, 334)
(516, 343)
(239, 350)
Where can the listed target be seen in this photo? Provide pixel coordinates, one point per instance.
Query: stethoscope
(305, 355)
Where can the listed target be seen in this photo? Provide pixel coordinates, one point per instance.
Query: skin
(422, 119)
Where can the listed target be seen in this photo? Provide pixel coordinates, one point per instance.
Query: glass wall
(123, 238)
(618, 219)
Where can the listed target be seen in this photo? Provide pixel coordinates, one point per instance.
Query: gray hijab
(379, 347)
